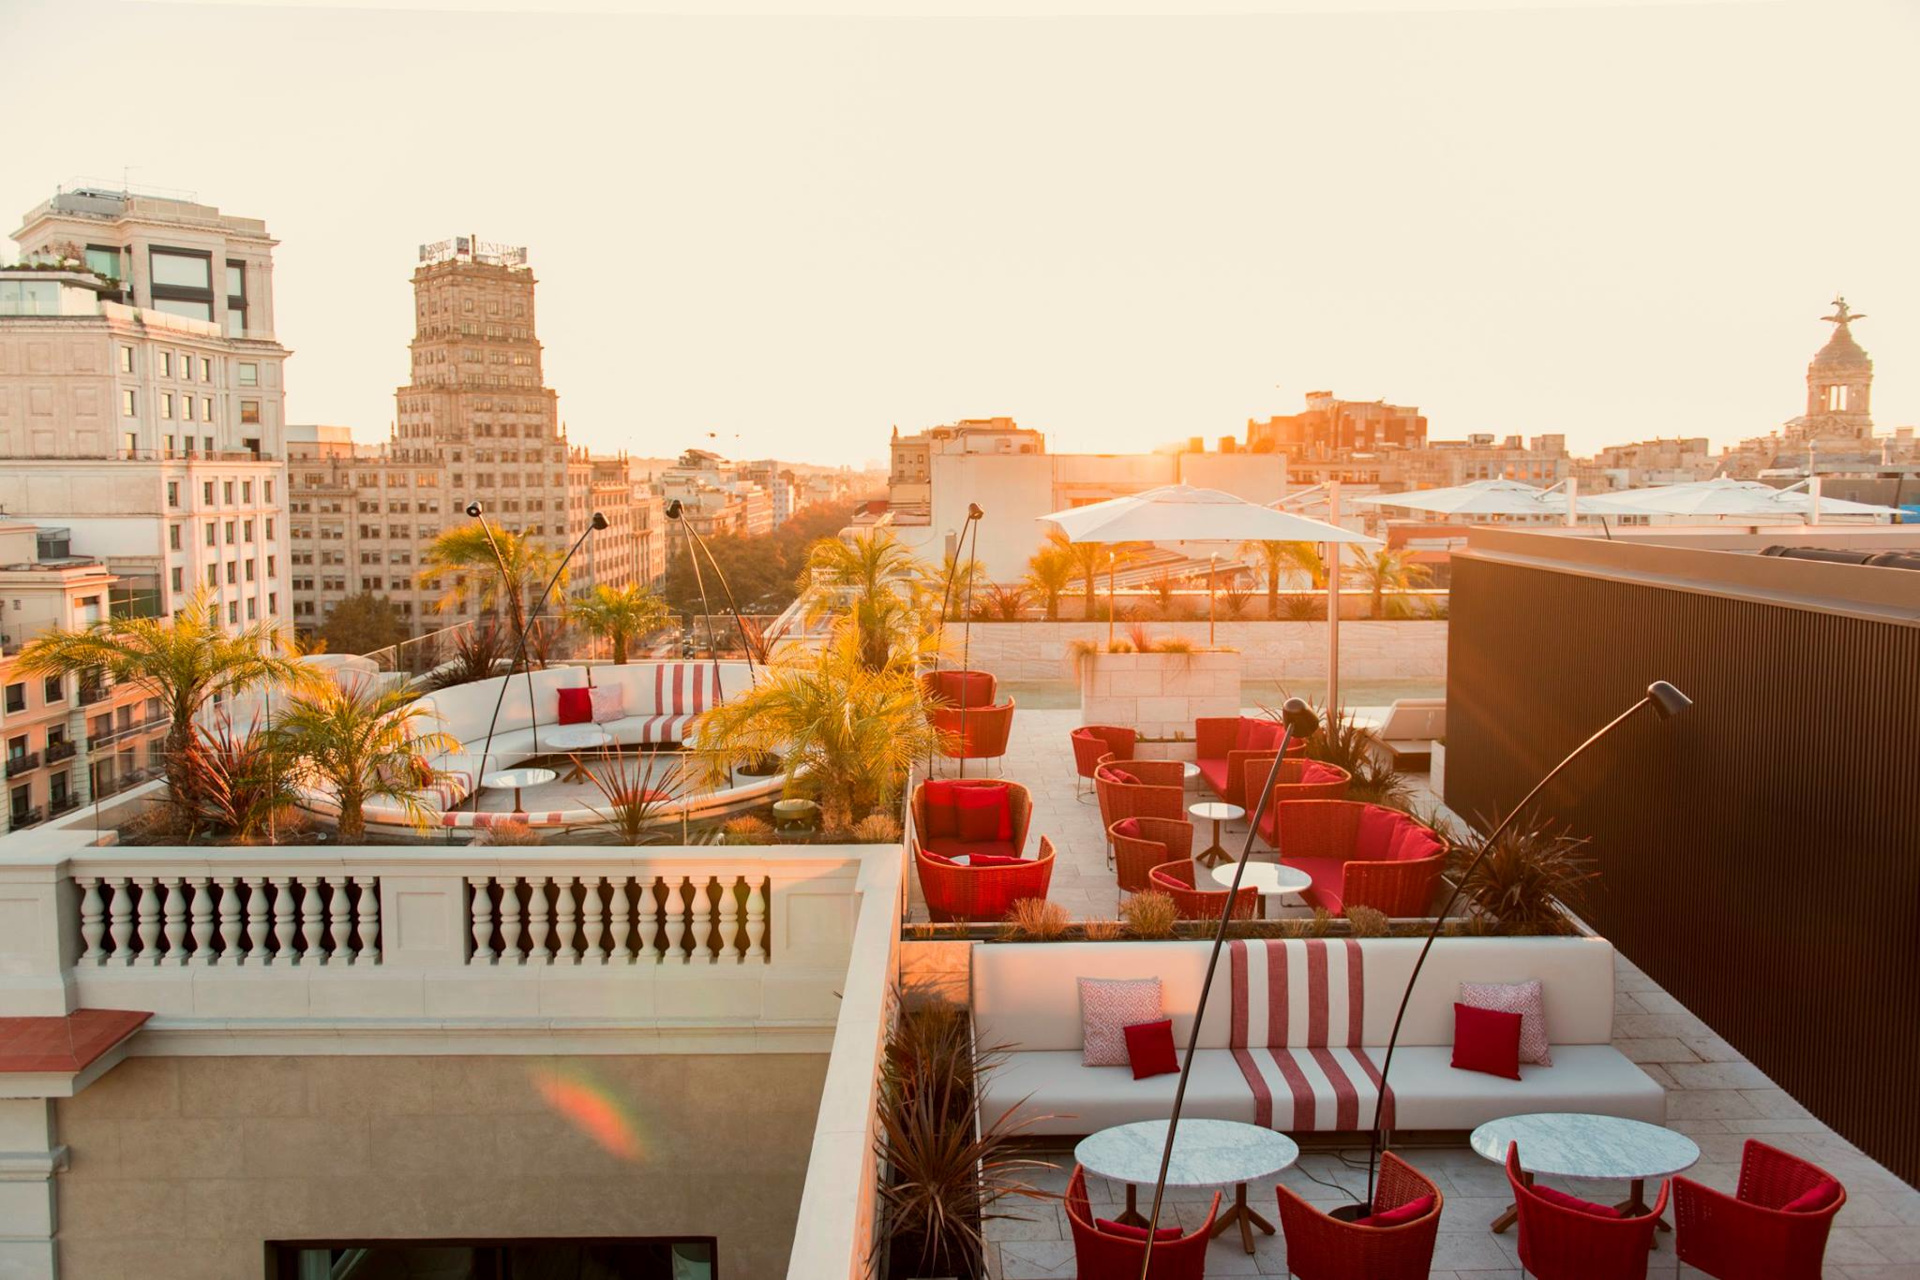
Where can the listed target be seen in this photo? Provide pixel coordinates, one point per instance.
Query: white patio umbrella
(1183, 513)
(1723, 496)
(1476, 498)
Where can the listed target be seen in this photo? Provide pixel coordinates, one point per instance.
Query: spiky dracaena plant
(237, 785)
(364, 744)
(1530, 881)
(184, 661)
(1342, 740)
(637, 790)
(478, 651)
(843, 732)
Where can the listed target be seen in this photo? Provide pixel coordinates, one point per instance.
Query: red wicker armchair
(954, 686)
(1158, 790)
(973, 733)
(1325, 1248)
(1361, 855)
(1176, 880)
(1093, 743)
(1224, 745)
(981, 893)
(1298, 780)
(1154, 841)
(1560, 1243)
(1751, 1235)
(1102, 1255)
(932, 831)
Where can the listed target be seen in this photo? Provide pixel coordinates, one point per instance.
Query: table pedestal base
(1238, 1212)
(1214, 854)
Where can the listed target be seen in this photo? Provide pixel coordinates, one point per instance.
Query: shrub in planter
(1150, 914)
(1530, 881)
(1036, 920)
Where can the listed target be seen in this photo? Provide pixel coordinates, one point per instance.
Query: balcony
(126, 731)
(25, 762)
(26, 817)
(58, 751)
(90, 694)
(63, 804)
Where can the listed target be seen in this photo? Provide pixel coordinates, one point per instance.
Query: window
(246, 531)
(210, 533)
(249, 411)
(170, 449)
(103, 260)
(16, 699)
(226, 492)
(166, 404)
(233, 612)
(229, 533)
(249, 373)
(173, 536)
(133, 444)
(236, 298)
(246, 491)
(213, 575)
(253, 610)
(249, 571)
(181, 282)
(268, 488)
(206, 369)
(126, 359)
(232, 576)
(206, 411)
(270, 559)
(127, 403)
(166, 364)
(206, 492)
(56, 689)
(179, 579)
(273, 604)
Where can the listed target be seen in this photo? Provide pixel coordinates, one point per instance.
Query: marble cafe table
(1571, 1145)
(1206, 1153)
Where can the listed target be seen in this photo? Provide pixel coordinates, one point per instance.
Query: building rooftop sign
(471, 249)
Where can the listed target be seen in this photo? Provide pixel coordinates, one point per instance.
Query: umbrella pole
(1210, 563)
(1332, 560)
(1110, 560)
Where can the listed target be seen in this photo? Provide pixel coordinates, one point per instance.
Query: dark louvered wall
(1760, 855)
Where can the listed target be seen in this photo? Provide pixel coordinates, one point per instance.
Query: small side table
(517, 778)
(1189, 773)
(1269, 879)
(1217, 812)
(1207, 1153)
(1574, 1145)
(578, 737)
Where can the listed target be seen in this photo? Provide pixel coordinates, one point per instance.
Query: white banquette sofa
(1296, 1030)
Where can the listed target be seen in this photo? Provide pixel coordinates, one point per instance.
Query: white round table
(1206, 1153)
(517, 778)
(1573, 1145)
(1269, 879)
(1216, 811)
(577, 737)
(1189, 773)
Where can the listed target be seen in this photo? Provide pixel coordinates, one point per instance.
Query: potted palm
(497, 568)
(362, 744)
(620, 616)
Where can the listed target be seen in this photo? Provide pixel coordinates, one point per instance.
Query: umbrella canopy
(1725, 497)
(1478, 498)
(1182, 513)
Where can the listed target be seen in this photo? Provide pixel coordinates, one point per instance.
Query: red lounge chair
(938, 832)
(1559, 1243)
(1158, 790)
(1223, 746)
(1751, 1235)
(1361, 855)
(975, 688)
(1298, 780)
(1101, 1255)
(981, 893)
(1153, 841)
(971, 725)
(1324, 1248)
(1175, 879)
(1095, 742)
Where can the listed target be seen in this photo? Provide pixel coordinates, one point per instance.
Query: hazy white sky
(795, 231)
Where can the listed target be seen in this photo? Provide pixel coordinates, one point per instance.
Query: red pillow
(993, 860)
(1264, 736)
(1123, 775)
(1121, 1231)
(576, 706)
(1815, 1198)
(1243, 734)
(1416, 1208)
(1373, 838)
(938, 859)
(1128, 827)
(1575, 1203)
(984, 810)
(942, 820)
(1486, 1040)
(1413, 842)
(1314, 771)
(1150, 1048)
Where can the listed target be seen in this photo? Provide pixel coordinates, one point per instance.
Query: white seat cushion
(1074, 1099)
(1428, 1093)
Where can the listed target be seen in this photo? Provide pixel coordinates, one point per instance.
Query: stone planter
(1437, 770)
(1160, 694)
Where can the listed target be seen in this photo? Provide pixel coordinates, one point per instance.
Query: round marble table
(1217, 812)
(1269, 879)
(517, 778)
(577, 737)
(1207, 1153)
(1571, 1145)
(1189, 773)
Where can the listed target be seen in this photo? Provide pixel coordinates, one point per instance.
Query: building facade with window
(142, 402)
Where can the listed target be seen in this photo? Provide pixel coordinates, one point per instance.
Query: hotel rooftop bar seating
(1225, 745)
(1140, 789)
(1176, 880)
(972, 726)
(1093, 743)
(1773, 1227)
(1141, 844)
(950, 816)
(1561, 1242)
(1104, 1250)
(1298, 780)
(967, 892)
(1361, 855)
(1320, 1247)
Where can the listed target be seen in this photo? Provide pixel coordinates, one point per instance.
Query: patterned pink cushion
(1523, 998)
(609, 703)
(1108, 1006)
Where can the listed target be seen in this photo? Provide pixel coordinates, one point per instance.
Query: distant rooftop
(473, 249)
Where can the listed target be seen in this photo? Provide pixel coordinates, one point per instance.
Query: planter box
(1159, 694)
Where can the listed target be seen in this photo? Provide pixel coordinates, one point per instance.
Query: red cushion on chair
(1215, 772)
(939, 859)
(1150, 1049)
(1264, 736)
(994, 860)
(1413, 842)
(1416, 1208)
(1312, 771)
(1575, 1203)
(1486, 1040)
(1120, 1231)
(943, 821)
(1373, 838)
(576, 706)
(1815, 1198)
(984, 810)
(1128, 827)
(1123, 775)
(1243, 734)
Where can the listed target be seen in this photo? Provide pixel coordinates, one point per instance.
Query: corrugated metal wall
(1760, 855)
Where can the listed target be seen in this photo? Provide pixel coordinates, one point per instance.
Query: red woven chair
(1156, 841)
(1094, 742)
(1224, 745)
(1159, 792)
(930, 835)
(1748, 1235)
(973, 733)
(1292, 784)
(1175, 879)
(975, 688)
(1324, 1248)
(981, 893)
(1361, 855)
(1558, 1243)
(1100, 1255)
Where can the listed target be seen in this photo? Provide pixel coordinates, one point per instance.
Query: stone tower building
(1839, 386)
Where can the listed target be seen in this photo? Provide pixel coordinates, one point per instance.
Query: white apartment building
(142, 403)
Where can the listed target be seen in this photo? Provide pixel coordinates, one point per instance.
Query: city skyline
(1102, 227)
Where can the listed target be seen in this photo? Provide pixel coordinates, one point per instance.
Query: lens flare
(592, 1109)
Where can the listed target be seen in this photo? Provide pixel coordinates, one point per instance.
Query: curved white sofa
(1296, 1030)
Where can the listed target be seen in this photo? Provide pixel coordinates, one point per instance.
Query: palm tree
(184, 661)
(1049, 573)
(363, 743)
(1085, 560)
(619, 615)
(1276, 558)
(843, 731)
(1389, 570)
(879, 583)
(464, 554)
(967, 576)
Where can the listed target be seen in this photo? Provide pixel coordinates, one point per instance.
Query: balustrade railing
(618, 919)
(229, 920)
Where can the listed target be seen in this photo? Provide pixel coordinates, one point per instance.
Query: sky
(783, 233)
